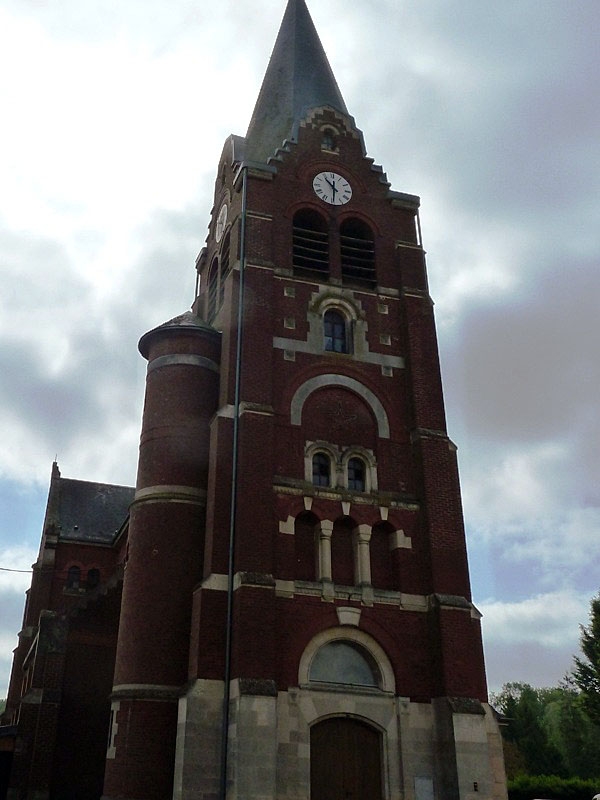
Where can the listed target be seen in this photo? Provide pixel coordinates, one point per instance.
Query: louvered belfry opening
(225, 266)
(357, 252)
(213, 289)
(310, 244)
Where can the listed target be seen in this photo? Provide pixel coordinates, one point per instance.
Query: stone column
(362, 537)
(325, 529)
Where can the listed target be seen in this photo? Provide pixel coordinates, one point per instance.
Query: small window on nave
(93, 578)
(73, 577)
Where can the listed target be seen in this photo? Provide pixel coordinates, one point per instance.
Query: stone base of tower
(469, 761)
(139, 763)
(444, 750)
(198, 752)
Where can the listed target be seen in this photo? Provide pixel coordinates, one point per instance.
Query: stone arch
(342, 301)
(332, 298)
(331, 451)
(353, 635)
(320, 381)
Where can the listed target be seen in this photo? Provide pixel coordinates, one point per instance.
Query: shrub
(551, 787)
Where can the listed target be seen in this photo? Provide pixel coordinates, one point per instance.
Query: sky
(114, 114)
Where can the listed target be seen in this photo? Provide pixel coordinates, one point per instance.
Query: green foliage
(587, 669)
(514, 763)
(2, 704)
(548, 732)
(572, 732)
(523, 709)
(529, 787)
(552, 736)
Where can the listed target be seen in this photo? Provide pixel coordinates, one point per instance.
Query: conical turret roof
(187, 322)
(298, 77)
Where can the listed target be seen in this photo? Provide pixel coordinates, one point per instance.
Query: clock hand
(333, 187)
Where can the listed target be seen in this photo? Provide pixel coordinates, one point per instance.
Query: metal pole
(233, 507)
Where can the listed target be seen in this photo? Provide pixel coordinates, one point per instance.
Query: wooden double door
(345, 760)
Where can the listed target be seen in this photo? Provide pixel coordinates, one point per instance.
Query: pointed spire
(298, 77)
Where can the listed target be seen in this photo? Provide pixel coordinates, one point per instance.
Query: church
(281, 608)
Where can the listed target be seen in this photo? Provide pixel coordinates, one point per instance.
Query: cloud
(533, 640)
(67, 372)
(528, 368)
(13, 586)
(8, 642)
(551, 620)
(14, 558)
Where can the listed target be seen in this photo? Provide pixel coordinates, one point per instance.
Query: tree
(532, 751)
(548, 732)
(571, 731)
(587, 669)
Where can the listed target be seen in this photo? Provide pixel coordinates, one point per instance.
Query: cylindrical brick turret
(164, 561)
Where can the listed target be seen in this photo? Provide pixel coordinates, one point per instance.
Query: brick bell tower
(297, 619)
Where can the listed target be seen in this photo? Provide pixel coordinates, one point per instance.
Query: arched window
(93, 578)
(335, 334)
(343, 563)
(310, 249)
(321, 470)
(213, 288)
(328, 141)
(356, 475)
(73, 577)
(383, 562)
(305, 550)
(344, 662)
(357, 252)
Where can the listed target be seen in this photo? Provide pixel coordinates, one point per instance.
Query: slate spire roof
(298, 77)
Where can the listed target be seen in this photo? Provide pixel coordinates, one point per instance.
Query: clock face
(221, 222)
(332, 188)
